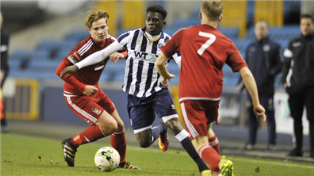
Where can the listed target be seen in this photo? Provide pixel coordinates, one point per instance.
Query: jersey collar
(100, 44)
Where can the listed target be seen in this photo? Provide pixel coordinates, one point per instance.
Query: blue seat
(56, 44)
(78, 35)
(37, 54)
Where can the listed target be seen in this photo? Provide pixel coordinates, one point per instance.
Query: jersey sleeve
(72, 80)
(173, 45)
(234, 58)
(124, 38)
(177, 58)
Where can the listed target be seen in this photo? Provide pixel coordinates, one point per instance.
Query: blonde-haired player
(204, 51)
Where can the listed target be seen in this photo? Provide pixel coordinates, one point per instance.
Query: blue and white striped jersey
(141, 78)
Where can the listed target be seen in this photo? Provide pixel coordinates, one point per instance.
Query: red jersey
(204, 51)
(90, 75)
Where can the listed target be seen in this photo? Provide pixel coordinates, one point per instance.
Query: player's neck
(152, 37)
(210, 23)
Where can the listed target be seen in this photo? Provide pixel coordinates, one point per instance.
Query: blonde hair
(94, 15)
(212, 9)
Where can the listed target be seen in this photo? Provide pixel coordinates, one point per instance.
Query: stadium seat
(77, 36)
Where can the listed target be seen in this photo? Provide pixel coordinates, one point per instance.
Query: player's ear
(201, 17)
(88, 30)
(220, 18)
(164, 23)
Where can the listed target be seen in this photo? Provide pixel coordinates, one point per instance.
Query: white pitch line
(273, 163)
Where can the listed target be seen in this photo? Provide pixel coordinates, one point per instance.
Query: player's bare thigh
(107, 123)
(118, 119)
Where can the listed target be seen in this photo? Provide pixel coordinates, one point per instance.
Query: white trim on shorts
(81, 111)
(199, 98)
(166, 118)
(189, 125)
(142, 129)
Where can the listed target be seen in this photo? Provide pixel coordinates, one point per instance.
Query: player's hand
(260, 112)
(164, 80)
(70, 70)
(115, 57)
(90, 90)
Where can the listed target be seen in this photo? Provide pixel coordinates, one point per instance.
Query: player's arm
(88, 90)
(250, 85)
(92, 59)
(237, 63)
(162, 70)
(170, 49)
(118, 55)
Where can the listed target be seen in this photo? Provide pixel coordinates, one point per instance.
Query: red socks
(211, 157)
(91, 134)
(94, 133)
(119, 143)
(213, 142)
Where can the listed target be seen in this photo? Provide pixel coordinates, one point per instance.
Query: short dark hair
(306, 16)
(158, 9)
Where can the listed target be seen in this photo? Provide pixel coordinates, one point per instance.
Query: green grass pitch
(25, 155)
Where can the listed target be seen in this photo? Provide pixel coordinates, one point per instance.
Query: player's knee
(174, 125)
(110, 127)
(120, 127)
(144, 143)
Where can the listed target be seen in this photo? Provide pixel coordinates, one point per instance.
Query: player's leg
(213, 139)
(118, 141)
(102, 124)
(196, 124)
(164, 107)
(142, 118)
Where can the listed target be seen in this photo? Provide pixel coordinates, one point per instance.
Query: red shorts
(90, 108)
(197, 114)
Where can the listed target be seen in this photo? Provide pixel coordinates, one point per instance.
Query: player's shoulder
(129, 34)
(87, 40)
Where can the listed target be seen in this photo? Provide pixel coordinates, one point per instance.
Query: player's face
(154, 23)
(99, 30)
(306, 26)
(261, 30)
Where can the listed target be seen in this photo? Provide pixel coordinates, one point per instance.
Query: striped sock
(213, 142)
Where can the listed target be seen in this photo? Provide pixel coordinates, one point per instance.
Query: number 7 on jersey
(210, 41)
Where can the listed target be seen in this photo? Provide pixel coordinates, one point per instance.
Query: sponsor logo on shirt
(145, 56)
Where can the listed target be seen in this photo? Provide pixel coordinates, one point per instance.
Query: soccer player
(84, 96)
(204, 52)
(146, 95)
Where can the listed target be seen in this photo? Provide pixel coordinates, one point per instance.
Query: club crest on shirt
(160, 45)
(96, 111)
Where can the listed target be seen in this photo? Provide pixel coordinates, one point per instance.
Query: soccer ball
(107, 159)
